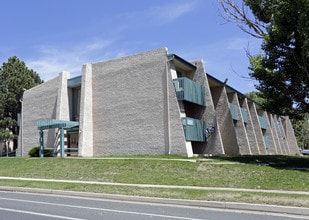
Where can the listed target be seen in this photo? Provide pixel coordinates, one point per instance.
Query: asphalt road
(26, 206)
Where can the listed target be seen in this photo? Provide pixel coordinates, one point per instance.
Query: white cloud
(157, 15)
(170, 12)
(53, 60)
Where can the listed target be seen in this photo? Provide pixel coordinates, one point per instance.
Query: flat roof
(220, 83)
(54, 123)
(180, 62)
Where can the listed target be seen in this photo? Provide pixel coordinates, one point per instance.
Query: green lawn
(250, 172)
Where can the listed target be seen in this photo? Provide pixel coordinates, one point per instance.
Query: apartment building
(149, 103)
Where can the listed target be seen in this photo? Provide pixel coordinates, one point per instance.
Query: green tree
(284, 77)
(15, 78)
(301, 130)
(256, 96)
(282, 68)
(6, 136)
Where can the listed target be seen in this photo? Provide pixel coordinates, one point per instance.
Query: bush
(35, 152)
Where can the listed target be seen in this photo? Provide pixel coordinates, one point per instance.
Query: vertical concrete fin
(239, 125)
(176, 137)
(273, 124)
(257, 128)
(268, 135)
(282, 136)
(86, 120)
(290, 137)
(214, 145)
(62, 110)
(226, 125)
(278, 136)
(166, 105)
(250, 131)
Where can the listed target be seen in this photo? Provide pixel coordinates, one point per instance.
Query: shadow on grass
(276, 161)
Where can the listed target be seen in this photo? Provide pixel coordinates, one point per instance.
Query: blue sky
(51, 36)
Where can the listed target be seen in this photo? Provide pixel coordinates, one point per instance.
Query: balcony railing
(234, 111)
(266, 142)
(263, 122)
(74, 82)
(190, 91)
(244, 114)
(195, 130)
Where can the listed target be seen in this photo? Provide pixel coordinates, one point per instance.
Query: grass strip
(250, 172)
(191, 194)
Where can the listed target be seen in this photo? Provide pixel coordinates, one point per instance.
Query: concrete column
(62, 110)
(214, 144)
(85, 147)
(290, 137)
(250, 131)
(225, 122)
(276, 133)
(257, 128)
(61, 142)
(282, 136)
(241, 133)
(41, 140)
(214, 141)
(269, 134)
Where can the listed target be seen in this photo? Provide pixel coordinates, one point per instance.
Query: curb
(194, 203)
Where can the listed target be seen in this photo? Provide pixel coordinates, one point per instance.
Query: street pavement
(194, 203)
(32, 206)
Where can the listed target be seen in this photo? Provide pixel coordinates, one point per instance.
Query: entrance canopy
(53, 123)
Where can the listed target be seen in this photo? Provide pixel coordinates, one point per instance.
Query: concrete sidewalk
(160, 186)
(197, 203)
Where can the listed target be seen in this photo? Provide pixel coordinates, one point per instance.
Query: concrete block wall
(290, 136)
(130, 106)
(253, 144)
(270, 146)
(86, 117)
(225, 122)
(45, 101)
(275, 136)
(240, 137)
(241, 133)
(257, 128)
(175, 142)
(214, 143)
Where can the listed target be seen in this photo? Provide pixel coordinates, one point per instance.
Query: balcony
(266, 142)
(194, 129)
(190, 91)
(74, 82)
(244, 114)
(234, 111)
(263, 122)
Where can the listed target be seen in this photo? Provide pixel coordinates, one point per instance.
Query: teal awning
(53, 123)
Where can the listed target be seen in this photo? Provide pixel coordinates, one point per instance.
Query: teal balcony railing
(263, 122)
(244, 114)
(195, 130)
(234, 111)
(266, 142)
(74, 82)
(190, 91)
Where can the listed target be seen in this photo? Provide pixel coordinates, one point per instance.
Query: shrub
(35, 152)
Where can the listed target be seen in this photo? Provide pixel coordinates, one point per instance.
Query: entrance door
(73, 144)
